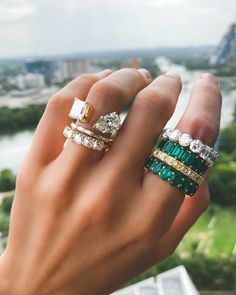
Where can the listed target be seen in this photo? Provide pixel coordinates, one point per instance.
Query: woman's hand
(85, 222)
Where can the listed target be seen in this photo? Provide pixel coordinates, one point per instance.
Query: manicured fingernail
(210, 79)
(105, 73)
(145, 73)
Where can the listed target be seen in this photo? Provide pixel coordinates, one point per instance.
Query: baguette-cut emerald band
(190, 159)
(174, 177)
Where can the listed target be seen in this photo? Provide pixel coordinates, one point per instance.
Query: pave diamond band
(178, 166)
(84, 140)
(195, 145)
(91, 133)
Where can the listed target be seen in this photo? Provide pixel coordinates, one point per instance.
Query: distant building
(173, 282)
(226, 51)
(45, 67)
(71, 68)
(30, 81)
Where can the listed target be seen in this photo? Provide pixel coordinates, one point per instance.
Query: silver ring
(195, 145)
(109, 123)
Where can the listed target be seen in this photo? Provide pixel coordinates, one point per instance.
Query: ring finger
(201, 120)
(108, 95)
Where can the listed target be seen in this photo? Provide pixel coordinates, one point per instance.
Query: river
(14, 147)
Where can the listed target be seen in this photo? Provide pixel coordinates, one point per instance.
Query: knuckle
(155, 102)
(131, 71)
(145, 234)
(203, 127)
(106, 88)
(51, 198)
(57, 101)
(86, 79)
(146, 238)
(94, 213)
(24, 180)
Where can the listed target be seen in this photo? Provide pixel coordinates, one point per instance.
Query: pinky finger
(190, 211)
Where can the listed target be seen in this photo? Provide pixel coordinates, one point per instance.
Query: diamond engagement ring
(81, 111)
(109, 123)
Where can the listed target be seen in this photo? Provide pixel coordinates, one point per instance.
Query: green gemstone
(190, 159)
(181, 184)
(175, 178)
(150, 162)
(156, 167)
(166, 173)
(180, 154)
(176, 151)
(200, 166)
(168, 146)
(162, 144)
(184, 156)
(192, 188)
(186, 186)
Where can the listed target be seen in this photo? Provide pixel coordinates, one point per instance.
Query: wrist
(4, 277)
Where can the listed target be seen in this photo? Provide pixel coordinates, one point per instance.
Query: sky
(52, 27)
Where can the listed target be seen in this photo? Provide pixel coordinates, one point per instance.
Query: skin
(85, 222)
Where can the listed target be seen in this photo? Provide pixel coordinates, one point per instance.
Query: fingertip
(209, 78)
(146, 75)
(105, 73)
(174, 75)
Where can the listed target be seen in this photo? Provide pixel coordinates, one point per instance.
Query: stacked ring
(84, 140)
(181, 160)
(91, 133)
(81, 112)
(195, 145)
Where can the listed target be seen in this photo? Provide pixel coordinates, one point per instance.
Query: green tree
(20, 118)
(234, 114)
(223, 184)
(227, 142)
(7, 180)
(7, 204)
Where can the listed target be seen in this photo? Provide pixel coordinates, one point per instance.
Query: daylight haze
(48, 27)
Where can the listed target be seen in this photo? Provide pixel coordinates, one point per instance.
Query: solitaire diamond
(185, 140)
(110, 123)
(196, 146)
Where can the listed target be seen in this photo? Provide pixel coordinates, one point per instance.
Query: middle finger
(109, 95)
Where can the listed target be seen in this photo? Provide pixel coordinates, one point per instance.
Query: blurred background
(46, 43)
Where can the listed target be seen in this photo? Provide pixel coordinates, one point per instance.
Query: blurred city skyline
(50, 27)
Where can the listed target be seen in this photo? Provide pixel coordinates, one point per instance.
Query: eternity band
(91, 133)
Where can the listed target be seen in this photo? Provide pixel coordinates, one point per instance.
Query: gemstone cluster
(195, 145)
(109, 123)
